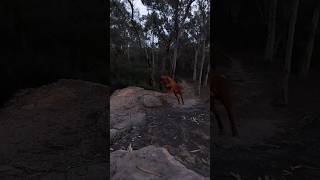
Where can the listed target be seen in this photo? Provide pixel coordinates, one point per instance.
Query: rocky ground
(58, 131)
(156, 119)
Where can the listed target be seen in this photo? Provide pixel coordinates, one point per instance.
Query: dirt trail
(253, 116)
(275, 142)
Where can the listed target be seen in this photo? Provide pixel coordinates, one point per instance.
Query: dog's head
(164, 79)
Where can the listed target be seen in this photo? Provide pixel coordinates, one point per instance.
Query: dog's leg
(176, 97)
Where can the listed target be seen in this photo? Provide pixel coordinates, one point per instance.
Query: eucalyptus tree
(172, 15)
(310, 45)
(193, 28)
(289, 51)
(205, 38)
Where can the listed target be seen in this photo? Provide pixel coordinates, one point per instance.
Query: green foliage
(124, 73)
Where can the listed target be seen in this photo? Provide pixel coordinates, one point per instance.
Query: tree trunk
(174, 60)
(201, 66)
(153, 69)
(290, 41)
(128, 52)
(207, 74)
(279, 39)
(178, 33)
(133, 23)
(195, 65)
(163, 65)
(310, 45)
(270, 47)
(149, 65)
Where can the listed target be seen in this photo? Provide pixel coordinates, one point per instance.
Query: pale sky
(137, 4)
(142, 9)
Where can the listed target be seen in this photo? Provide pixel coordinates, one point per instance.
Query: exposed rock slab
(149, 163)
(151, 101)
(128, 109)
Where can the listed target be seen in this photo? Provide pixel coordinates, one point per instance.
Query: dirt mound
(54, 128)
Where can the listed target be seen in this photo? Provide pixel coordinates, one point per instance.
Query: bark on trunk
(310, 45)
(279, 39)
(287, 68)
(207, 74)
(195, 65)
(174, 61)
(128, 53)
(201, 66)
(153, 82)
(270, 48)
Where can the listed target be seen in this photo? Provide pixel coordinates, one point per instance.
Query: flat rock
(128, 108)
(149, 163)
(151, 101)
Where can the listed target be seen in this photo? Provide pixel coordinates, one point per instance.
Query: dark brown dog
(220, 90)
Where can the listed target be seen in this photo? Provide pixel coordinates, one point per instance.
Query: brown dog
(172, 87)
(220, 89)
